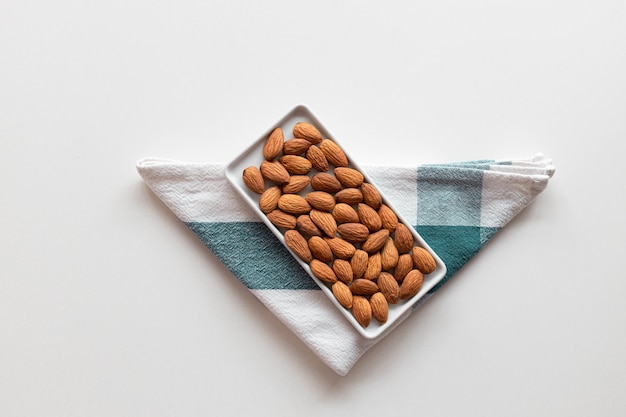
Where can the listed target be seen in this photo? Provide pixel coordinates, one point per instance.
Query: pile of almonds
(337, 222)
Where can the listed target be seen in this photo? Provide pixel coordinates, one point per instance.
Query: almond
(296, 165)
(269, 199)
(349, 196)
(317, 158)
(371, 196)
(320, 200)
(320, 249)
(375, 241)
(333, 153)
(253, 179)
(296, 184)
(274, 171)
(362, 286)
(380, 308)
(325, 221)
(403, 238)
(374, 266)
(411, 285)
(323, 181)
(353, 232)
(423, 260)
(342, 293)
(361, 310)
(307, 131)
(322, 271)
(273, 145)
(296, 146)
(369, 217)
(298, 244)
(341, 248)
(349, 177)
(359, 263)
(389, 254)
(281, 219)
(306, 226)
(343, 270)
(344, 213)
(404, 265)
(293, 204)
(388, 217)
(389, 287)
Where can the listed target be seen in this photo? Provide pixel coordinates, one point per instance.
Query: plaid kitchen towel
(456, 207)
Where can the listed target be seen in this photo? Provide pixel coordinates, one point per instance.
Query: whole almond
(369, 217)
(349, 196)
(253, 179)
(359, 263)
(380, 308)
(274, 171)
(342, 293)
(317, 158)
(296, 184)
(273, 145)
(296, 146)
(389, 287)
(362, 286)
(323, 181)
(344, 213)
(423, 260)
(321, 200)
(320, 249)
(361, 310)
(333, 153)
(293, 204)
(298, 244)
(343, 270)
(281, 219)
(341, 248)
(374, 266)
(411, 285)
(375, 241)
(325, 221)
(389, 254)
(388, 217)
(306, 226)
(404, 265)
(296, 165)
(322, 271)
(349, 177)
(307, 131)
(269, 199)
(371, 196)
(353, 232)
(403, 238)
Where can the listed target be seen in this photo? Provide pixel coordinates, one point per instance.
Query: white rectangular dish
(253, 156)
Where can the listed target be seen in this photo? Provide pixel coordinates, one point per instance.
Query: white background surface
(109, 306)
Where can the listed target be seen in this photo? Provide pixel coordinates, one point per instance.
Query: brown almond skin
(359, 263)
(371, 196)
(404, 265)
(411, 285)
(353, 232)
(342, 293)
(423, 260)
(348, 177)
(317, 158)
(269, 199)
(333, 153)
(323, 181)
(362, 286)
(274, 171)
(325, 221)
(361, 310)
(281, 219)
(369, 217)
(389, 254)
(344, 213)
(296, 146)
(403, 238)
(341, 248)
(293, 204)
(388, 287)
(343, 270)
(374, 266)
(296, 184)
(296, 165)
(320, 249)
(322, 271)
(298, 244)
(307, 131)
(305, 225)
(253, 179)
(380, 308)
(273, 145)
(351, 196)
(320, 200)
(388, 217)
(375, 241)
